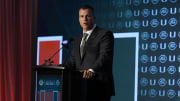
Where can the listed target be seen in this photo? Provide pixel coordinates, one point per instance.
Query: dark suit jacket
(98, 55)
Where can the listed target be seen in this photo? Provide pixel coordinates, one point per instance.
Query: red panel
(59, 96)
(41, 96)
(47, 49)
(49, 96)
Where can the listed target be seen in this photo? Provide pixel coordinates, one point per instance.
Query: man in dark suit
(92, 55)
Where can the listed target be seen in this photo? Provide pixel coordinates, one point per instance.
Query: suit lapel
(78, 47)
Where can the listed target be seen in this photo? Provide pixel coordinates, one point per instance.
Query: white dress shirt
(89, 33)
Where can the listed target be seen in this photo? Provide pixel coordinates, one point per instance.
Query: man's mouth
(85, 23)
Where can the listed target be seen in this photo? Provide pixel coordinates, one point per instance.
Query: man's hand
(87, 74)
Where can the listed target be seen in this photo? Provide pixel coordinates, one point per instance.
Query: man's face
(86, 19)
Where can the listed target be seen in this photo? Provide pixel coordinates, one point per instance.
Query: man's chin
(86, 28)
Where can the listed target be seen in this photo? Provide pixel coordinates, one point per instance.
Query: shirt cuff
(91, 70)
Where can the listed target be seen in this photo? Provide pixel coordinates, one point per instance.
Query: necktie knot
(85, 36)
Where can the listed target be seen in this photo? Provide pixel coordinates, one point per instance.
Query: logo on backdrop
(162, 58)
(163, 35)
(164, 11)
(162, 82)
(152, 93)
(172, 46)
(178, 82)
(144, 82)
(154, 2)
(144, 59)
(128, 14)
(173, 22)
(171, 93)
(153, 69)
(154, 23)
(145, 12)
(173, 1)
(178, 58)
(154, 46)
(171, 69)
(41, 82)
(137, 2)
(136, 24)
(145, 35)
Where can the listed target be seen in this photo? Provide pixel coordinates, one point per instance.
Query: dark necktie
(83, 42)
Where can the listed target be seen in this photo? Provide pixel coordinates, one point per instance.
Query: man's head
(86, 17)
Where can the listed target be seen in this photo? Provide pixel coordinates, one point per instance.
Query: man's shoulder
(102, 30)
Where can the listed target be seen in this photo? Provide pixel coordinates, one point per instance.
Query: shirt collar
(91, 30)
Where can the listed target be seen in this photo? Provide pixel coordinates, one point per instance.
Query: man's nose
(86, 18)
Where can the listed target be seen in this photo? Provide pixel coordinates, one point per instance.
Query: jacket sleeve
(105, 57)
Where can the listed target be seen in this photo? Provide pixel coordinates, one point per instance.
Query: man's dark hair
(87, 7)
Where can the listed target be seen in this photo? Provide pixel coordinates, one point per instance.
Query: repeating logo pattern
(157, 21)
(159, 49)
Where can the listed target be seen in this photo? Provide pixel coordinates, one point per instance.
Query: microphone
(65, 44)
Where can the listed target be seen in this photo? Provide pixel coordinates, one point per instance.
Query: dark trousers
(88, 90)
